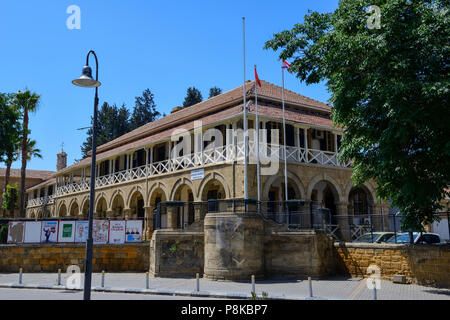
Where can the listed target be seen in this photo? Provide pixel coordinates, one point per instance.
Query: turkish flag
(257, 79)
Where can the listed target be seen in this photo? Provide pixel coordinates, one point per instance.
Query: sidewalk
(332, 288)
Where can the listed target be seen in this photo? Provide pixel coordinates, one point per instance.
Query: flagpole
(245, 123)
(258, 166)
(284, 140)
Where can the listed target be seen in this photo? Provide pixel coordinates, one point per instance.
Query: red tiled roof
(30, 174)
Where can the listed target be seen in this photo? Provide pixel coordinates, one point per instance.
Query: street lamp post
(86, 81)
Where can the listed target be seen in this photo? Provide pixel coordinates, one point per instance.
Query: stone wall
(176, 253)
(50, 258)
(302, 253)
(421, 264)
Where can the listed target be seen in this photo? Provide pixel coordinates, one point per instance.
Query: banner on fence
(134, 231)
(100, 232)
(66, 231)
(49, 232)
(16, 231)
(33, 232)
(81, 231)
(116, 232)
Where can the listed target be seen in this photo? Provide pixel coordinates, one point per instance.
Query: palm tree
(27, 102)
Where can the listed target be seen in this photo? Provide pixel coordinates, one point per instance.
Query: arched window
(358, 198)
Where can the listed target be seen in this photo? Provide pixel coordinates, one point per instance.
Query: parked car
(375, 237)
(419, 238)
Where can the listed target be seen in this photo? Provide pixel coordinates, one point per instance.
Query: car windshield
(367, 238)
(402, 238)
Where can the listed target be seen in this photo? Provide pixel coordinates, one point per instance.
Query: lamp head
(86, 80)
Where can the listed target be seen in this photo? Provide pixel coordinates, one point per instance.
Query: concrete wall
(50, 258)
(176, 253)
(421, 264)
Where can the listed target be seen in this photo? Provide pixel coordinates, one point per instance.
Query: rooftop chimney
(61, 160)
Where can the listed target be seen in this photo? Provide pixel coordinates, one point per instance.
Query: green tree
(214, 91)
(112, 122)
(390, 91)
(193, 96)
(144, 110)
(10, 132)
(10, 197)
(27, 102)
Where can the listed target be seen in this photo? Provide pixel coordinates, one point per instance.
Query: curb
(162, 292)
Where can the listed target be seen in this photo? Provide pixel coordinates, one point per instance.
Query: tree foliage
(390, 91)
(214, 91)
(193, 96)
(10, 197)
(144, 110)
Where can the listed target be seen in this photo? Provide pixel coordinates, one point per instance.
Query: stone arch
(39, 214)
(84, 211)
(114, 195)
(101, 207)
(132, 192)
(62, 210)
(366, 186)
(97, 199)
(324, 177)
(117, 204)
(179, 184)
(294, 180)
(32, 214)
(74, 209)
(158, 190)
(136, 202)
(210, 178)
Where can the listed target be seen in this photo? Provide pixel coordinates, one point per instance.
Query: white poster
(66, 231)
(32, 232)
(134, 231)
(16, 231)
(49, 232)
(81, 231)
(116, 232)
(100, 232)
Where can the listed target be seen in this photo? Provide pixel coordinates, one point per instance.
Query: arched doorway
(101, 208)
(325, 195)
(212, 191)
(85, 209)
(62, 210)
(137, 204)
(360, 202)
(184, 194)
(276, 207)
(74, 210)
(117, 206)
(158, 196)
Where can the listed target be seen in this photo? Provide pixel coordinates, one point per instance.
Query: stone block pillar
(128, 213)
(342, 221)
(172, 212)
(148, 222)
(199, 211)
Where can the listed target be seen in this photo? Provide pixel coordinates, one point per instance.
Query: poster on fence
(49, 232)
(100, 231)
(81, 231)
(33, 232)
(134, 231)
(66, 231)
(16, 231)
(116, 232)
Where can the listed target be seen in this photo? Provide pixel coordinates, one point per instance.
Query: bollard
(147, 280)
(253, 284)
(374, 290)
(20, 275)
(310, 287)
(103, 278)
(59, 277)
(197, 276)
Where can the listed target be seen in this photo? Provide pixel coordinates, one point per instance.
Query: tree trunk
(24, 163)
(7, 174)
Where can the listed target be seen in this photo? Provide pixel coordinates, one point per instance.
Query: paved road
(34, 294)
(332, 288)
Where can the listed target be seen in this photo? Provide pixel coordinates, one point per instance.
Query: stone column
(342, 221)
(199, 213)
(128, 213)
(109, 213)
(148, 222)
(172, 212)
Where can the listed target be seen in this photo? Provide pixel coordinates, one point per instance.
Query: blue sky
(166, 46)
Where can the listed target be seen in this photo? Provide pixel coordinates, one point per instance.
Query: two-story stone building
(145, 167)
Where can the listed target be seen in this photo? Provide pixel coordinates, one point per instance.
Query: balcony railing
(40, 201)
(217, 155)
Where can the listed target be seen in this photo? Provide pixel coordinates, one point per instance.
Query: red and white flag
(257, 79)
(286, 66)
